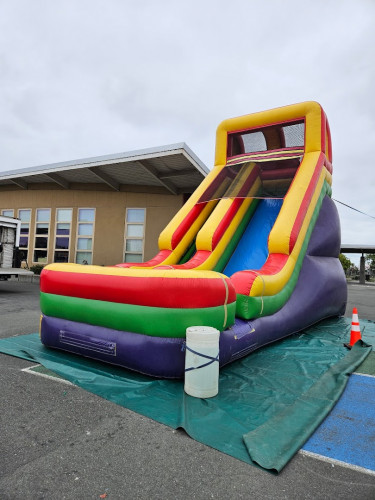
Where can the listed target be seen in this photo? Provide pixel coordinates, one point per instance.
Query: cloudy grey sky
(83, 78)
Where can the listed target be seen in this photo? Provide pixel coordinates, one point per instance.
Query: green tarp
(268, 405)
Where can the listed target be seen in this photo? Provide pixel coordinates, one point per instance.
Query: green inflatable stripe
(255, 307)
(154, 321)
(189, 253)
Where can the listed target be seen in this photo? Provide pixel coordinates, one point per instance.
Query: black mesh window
(273, 137)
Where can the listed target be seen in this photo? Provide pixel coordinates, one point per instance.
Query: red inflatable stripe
(254, 174)
(198, 258)
(323, 130)
(226, 220)
(150, 291)
(186, 224)
(281, 173)
(305, 203)
(243, 280)
(237, 202)
(158, 259)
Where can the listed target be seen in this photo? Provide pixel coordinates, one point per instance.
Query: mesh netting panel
(254, 142)
(294, 135)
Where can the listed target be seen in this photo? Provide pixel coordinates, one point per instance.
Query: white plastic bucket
(202, 361)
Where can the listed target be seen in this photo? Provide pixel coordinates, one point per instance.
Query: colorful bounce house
(252, 253)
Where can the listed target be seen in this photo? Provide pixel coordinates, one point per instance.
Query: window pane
(86, 215)
(135, 257)
(24, 228)
(64, 215)
(134, 245)
(135, 215)
(61, 257)
(85, 229)
(41, 242)
(40, 256)
(24, 215)
(83, 258)
(62, 228)
(8, 213)
(24, 241)
(135, 230)
(42, 228)
(84, 244)
(43, 214)
(62, 243)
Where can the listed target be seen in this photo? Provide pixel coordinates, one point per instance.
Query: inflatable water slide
(252, 253)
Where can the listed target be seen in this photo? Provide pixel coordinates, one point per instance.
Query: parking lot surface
(61, 442)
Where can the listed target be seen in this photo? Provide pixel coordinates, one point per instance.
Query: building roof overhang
(174, 167)
(354, 248)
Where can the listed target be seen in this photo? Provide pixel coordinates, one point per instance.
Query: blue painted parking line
(347, 435)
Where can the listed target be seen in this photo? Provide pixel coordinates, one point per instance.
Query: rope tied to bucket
(212, 359)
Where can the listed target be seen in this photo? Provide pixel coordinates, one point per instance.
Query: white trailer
(10, 231)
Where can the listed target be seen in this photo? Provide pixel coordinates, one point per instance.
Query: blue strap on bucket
(212, 360)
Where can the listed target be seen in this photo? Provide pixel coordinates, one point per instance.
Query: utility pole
(362, 276)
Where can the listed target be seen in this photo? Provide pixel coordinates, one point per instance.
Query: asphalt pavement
(61, 442)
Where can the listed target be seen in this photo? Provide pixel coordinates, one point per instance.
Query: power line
(356, 209)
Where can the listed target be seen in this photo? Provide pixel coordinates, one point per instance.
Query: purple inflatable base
(155, 356)
(321, 292)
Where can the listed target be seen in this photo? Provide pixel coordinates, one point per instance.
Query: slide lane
(252, 249)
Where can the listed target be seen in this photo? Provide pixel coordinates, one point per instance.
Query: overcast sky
(81, 78)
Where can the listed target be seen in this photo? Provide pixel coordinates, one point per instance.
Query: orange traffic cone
(355, 333)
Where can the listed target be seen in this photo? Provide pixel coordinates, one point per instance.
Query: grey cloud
(95, 77)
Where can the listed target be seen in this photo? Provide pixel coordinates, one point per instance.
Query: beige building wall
(109, 232)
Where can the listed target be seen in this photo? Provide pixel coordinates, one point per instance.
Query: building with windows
(102, 210)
